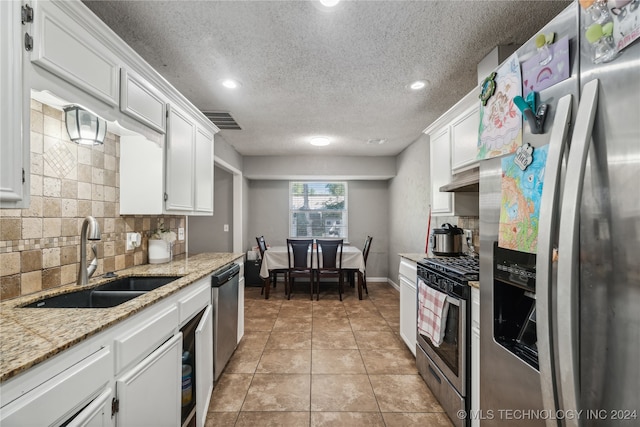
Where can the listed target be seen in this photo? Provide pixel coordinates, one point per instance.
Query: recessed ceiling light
(230, 83)
(319, 141)
(329, 3)
(418, 84)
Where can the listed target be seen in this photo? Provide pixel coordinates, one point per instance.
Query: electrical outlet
(181, 233)
(226, 227)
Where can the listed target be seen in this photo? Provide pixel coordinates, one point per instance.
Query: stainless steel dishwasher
(224, 297)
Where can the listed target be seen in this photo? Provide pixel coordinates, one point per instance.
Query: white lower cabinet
(97, 413)
(138, 404)
(475, 355)
(204, 365)
(127, 375)
(62, 397)
(408, 303)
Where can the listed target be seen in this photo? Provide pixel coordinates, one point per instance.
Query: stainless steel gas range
(446, 367)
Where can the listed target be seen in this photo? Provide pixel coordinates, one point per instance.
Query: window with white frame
(318, 209)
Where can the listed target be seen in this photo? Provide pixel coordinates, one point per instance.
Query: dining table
(276, 258)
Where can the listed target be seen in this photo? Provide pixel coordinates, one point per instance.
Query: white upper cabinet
(453, 149)
(204, 171)
(189, 173)
(166, 154)
(66, 48)
(464, 139)
(14, 149)
(440, 151)
(140, 100)
(181, 133)
(141, 176)
(184, 185)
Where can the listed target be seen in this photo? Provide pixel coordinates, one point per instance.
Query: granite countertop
(29, 336)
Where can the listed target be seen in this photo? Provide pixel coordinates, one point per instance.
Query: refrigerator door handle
(547, 231)
(568, 253)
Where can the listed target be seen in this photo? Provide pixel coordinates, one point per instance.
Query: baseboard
(383, 280)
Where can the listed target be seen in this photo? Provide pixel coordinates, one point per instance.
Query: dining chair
(273, 274)
(300, 263)
(351, 273)
(329, 263)
(365, 255)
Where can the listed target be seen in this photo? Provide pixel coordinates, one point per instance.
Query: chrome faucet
(84, 273)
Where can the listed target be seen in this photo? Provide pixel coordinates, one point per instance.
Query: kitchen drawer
(138, 342)
(196, 300)
(63, 395)
(409, 269)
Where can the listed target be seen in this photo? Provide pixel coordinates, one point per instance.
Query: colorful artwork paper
(626, 22)
(500, 120)
(536, 77)
(520, 202)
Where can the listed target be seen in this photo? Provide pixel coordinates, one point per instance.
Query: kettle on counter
(447, 241)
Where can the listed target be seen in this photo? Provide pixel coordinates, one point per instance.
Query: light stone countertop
(414, 257)
(29, 336)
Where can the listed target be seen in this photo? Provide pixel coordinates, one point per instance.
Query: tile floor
(323, 363)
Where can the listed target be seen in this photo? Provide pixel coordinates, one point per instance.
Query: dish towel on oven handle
(432, 312)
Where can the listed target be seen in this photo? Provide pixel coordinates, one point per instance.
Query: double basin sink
(107, 295)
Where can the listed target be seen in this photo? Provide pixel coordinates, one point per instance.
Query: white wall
(319, 167)
(206, 233)
(409, 197)
(268, 215)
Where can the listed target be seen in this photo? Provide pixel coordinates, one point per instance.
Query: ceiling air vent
(222, 120)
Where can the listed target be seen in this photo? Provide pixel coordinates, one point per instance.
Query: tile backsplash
(40, 246)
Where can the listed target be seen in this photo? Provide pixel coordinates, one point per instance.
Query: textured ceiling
(306, 70)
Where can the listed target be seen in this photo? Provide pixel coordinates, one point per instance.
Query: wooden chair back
(299, 248)
(331, 251)
(365, 249)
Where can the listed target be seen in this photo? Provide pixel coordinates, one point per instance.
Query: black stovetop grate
(463, 267)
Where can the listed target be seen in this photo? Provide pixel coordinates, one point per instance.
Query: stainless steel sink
(110, 294)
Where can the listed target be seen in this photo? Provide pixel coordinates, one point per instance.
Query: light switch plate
(226, 227)
(180, 233)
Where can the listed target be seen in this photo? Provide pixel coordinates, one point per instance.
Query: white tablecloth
(276, 258)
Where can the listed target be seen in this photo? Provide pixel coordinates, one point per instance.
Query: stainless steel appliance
(560, 328)
(224, 300)
(446, 368)
(447, 241)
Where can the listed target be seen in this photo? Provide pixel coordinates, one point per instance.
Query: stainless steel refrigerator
(560, 335)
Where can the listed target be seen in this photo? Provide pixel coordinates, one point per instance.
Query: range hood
(464, 182)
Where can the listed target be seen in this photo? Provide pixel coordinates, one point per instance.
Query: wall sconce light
(84, 127)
